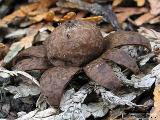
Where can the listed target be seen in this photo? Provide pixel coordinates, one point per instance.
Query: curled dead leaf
(54, 81)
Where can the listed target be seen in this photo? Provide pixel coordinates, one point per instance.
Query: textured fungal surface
(75, 43)
(53, 82)
(121, 38)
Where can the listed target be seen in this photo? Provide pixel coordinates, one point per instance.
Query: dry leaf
(155, 6)
(125, 13)
(93, 19)
(25, 42)
(24, 10)
(154, 114)
(48, 16)
(3, 50)
(23, 90)
(140, 2)
(11, 17)
(143, 19)
(155, 20)
(116, 2)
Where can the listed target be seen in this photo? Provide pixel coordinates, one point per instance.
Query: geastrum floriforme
(78, 45)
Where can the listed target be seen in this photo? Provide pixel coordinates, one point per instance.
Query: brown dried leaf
(143, 19)
(99, 71)
(11, 17)
(121, 38)
(140, 2)
(154, 114)
(3, 50)
(25, 10)
(92, 19)
(116, 2)
(54, 81)
(25, 42)
(155, 6)
(32, 64)
(69, 16)
(125, 13)
(122, 58)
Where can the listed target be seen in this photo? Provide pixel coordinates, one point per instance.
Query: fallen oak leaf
(25, 10)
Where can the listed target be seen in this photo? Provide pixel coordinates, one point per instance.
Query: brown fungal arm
(35, 51)
(32, 64)
(121, 38)
(99, 71)
(122, 58)
(53, 82)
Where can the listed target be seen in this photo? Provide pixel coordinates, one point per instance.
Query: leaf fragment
(140, 2)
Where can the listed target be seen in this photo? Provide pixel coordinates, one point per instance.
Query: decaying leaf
(32, 64)
(64, 49)
(154, 114)
(3, 50)
(140, 2)
(36, 51)
(155, 6)
(47, 16)
(124, 13)
(24, 10)
(23, 90)
(25, 42)
(16, 73)
(69, 16)
(54, 81)
(143, 19)
(116, 2)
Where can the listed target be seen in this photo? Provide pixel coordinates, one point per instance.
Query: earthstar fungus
(77, 45)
